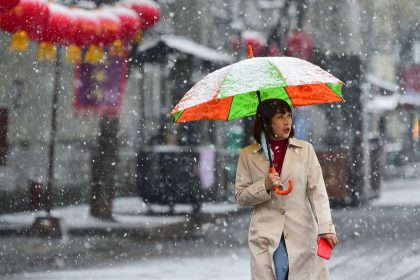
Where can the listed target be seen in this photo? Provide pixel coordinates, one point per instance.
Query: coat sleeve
(248, 193)
(317, 194)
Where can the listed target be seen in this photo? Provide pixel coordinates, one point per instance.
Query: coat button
(282, 211)
(286, 235)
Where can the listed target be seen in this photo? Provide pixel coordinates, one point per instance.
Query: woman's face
(281, 126)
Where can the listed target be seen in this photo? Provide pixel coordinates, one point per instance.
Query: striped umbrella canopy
(231, 92)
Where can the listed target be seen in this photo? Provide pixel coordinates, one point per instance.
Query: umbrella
(235, 91)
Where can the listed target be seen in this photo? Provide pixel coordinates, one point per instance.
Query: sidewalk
(399, 193)
(130, 215)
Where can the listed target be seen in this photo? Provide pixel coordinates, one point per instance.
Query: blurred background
(86, 88)
(373, 47)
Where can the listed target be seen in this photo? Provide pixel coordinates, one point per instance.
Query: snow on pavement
(234, 266)
(128, 212)
(399, 192)
(353, 260)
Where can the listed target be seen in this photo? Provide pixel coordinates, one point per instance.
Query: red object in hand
(324, 249)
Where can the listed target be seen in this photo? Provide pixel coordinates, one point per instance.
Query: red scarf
(279, 148)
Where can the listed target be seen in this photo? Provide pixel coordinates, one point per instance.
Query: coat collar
(292, 142)
(291, 158)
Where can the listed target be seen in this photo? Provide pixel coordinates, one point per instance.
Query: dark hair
(268, 108)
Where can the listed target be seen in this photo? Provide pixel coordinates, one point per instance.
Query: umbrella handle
(278, 189)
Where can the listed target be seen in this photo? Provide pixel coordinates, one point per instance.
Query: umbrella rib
(230, 108)
(275, 67)
(291, 100)
(180, 115)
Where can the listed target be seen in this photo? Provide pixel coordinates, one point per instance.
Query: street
(376, 242)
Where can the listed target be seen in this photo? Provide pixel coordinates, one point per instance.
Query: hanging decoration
(46, 51)
(30, 16)
(254, 39)
(7, 5)
(100, 87)
(235, 42)
(130, 23)
(112, 28)
(300, 44)
(116, 49)
(61, 29)
(88, 35)
(274, 49)
(20, 41)
(147, 10)
(51, 34)
(73, 54)
(95, 54)
(110, 31)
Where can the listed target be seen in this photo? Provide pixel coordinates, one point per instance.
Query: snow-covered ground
(230, 267)
(354, 260)
(128, 213)
(399, 192)
(378, 242)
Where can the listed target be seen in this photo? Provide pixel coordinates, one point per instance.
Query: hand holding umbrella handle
(278, 189)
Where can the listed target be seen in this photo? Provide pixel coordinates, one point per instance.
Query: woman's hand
(330, 237)
(272, 179)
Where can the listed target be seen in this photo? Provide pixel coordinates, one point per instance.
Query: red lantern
(147, 10)
(30, 16)
(71, 31)
(59, 26)
(88, 34)
(300, 44)
(110, 25)
(88, 28)
(7, 5)
(130, 23)
(235, 42)
(256, 40)
(273, 49)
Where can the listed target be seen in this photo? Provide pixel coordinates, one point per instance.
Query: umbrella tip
(250, 52)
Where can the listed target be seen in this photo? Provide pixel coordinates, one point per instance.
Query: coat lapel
(291, 159)
(259, 159)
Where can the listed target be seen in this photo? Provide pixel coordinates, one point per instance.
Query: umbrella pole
(278, 189)
(264, 127)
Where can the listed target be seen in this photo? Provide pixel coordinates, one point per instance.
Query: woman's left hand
(330, 237)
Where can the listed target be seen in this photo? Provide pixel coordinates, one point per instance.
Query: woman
(284, 230)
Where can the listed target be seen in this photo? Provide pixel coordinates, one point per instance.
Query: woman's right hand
(272, 179)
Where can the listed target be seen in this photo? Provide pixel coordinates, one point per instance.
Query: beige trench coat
(300, 216)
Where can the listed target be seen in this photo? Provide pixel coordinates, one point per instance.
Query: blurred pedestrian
(284, 229)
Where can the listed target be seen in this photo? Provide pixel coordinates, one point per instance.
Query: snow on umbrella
(235, 91)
